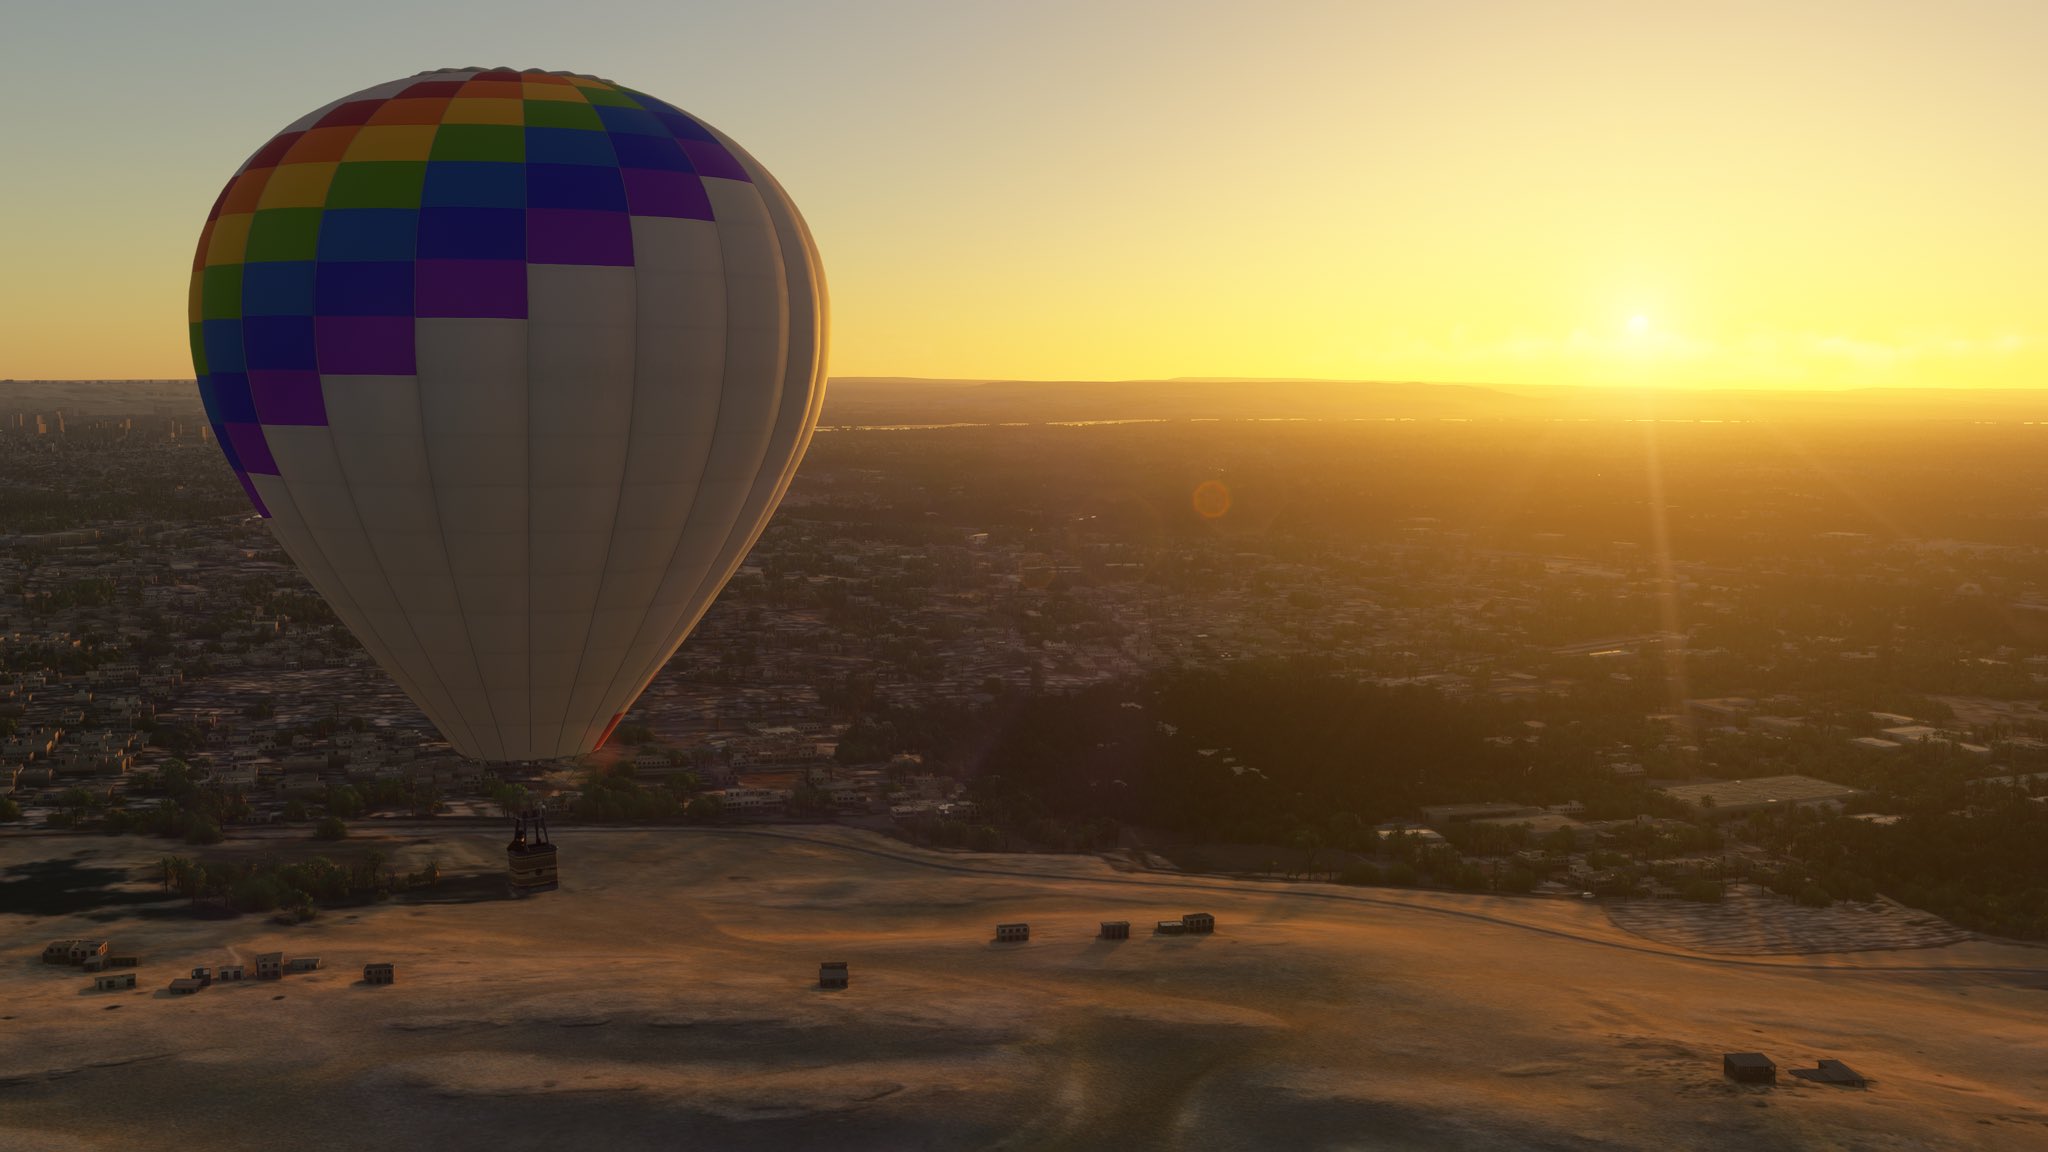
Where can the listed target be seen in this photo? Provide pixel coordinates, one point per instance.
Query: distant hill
(872, 400)
(896, 400)
(101, 397)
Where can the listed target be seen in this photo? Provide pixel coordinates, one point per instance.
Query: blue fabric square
(574, 186)
(569, 146)
(284, 288)
(224, 346)
(472, 234)
(367, 234)
(474, 184)
(365, 288)
(278, 342)
(228, 398)
(657, 152)
(633, 121)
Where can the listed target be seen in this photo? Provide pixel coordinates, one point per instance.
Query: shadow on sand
(65, 887)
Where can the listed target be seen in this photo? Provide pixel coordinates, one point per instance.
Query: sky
(1833, 193)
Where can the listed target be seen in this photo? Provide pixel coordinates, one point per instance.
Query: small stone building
(228, 973)
(302, 964)
(1749, 1068)
(1116, 930)
(113, 981)
(269, 965)
(832, 974)
(1199, 922)
(1169, 928)
(1012, 933)
(204, 976)
(184, 986)
(380, 973)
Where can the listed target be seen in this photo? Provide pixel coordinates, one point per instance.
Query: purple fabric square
(366, 345)
(577, 236)
(288, 397)
(495, 288)
(652, 193)
(251, 449)
(710, 158)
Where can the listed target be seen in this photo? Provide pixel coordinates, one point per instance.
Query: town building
(1012, 933)
(1199, 922)
(832, 974)
(113, 981)
(269, 965)
(380, 974)
(302, 964)
(1115, 930)
(1749, 1068)
(185, 986)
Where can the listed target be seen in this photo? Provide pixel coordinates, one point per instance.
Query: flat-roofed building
(380, 974)
(1199, 922)
(1012, 933)
(302, 964)
(1116, 930)
(1749, 1068)
(833, 974)
(113, 981)
(1762, 793)
(184, 986)
(269, 965)
(1169, 928)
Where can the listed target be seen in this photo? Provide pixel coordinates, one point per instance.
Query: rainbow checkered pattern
(423, 198)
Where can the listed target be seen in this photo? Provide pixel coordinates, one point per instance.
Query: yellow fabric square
(568, 92)
(391, 142)
(195, 299)
(230, 239)
(470, 110)
(297, 186)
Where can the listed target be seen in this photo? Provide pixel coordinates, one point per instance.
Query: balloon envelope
(516, 365)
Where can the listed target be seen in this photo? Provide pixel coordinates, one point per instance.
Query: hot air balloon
(516, 365)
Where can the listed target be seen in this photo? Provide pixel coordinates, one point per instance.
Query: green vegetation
(331, 828)
(266, 884)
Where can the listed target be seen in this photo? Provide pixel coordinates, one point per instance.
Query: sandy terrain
(666, 999)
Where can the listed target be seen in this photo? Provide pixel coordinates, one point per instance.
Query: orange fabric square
(247, 190)
(321, 145)
(392, 142)
(299, 186)
(230, 238)
(464, 110)
(412, 110)
(205, 242)
(567, 92)
(492, 90)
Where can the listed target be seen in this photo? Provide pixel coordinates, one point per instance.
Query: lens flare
(1212, 499)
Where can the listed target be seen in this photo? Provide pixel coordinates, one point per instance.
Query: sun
(1638, 323)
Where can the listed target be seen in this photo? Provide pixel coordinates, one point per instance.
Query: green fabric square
(197, 332)
(377, 184)
(495, 142)
(284, 234)
(611, 96)
(220, 296)
(562, 114)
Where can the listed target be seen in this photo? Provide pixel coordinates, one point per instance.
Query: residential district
(156, 643)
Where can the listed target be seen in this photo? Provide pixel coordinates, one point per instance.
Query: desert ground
(666, 998)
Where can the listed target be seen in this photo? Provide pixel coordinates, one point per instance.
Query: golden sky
(1822, 194)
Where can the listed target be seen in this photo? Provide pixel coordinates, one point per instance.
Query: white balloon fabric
(517, 365)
